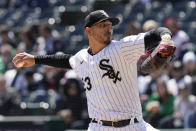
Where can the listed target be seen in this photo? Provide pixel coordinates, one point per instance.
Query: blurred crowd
(168, 96)
(40, 90)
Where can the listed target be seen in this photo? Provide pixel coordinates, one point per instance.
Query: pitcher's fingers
(17, 57)
(21, 54)
(19, 63)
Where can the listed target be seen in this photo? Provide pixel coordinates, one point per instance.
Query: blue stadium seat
(3, 15)
(138, 7)
(76, 2)
(2, 3)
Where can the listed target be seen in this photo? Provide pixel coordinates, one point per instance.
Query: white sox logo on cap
(103, 12)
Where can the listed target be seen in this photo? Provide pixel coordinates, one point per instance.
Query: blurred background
(44, 98)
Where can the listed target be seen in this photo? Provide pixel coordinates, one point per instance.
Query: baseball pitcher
(108, 69)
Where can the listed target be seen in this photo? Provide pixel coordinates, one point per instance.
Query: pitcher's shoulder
(77, 58)
(133, 37)
(82, 52)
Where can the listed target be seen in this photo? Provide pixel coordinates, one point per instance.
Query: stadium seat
(106, 5)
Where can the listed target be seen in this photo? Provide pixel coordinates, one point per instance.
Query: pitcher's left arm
(159, 48)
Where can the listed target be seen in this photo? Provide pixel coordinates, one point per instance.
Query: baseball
(19, 65)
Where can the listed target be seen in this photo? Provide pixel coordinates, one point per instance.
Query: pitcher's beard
(107, 42)
(108, 36)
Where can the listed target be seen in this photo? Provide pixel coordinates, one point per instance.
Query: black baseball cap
(99, 16)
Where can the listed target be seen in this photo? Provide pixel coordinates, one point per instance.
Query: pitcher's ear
(88, 30)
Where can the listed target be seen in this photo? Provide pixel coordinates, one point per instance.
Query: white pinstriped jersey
(110, 79)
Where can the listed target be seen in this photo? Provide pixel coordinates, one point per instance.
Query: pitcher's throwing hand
(23, 60)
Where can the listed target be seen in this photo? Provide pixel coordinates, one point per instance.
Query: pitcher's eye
(106, 25)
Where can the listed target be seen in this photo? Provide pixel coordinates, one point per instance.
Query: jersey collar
(90, 51)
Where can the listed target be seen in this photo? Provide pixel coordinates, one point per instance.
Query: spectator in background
(9, 99)
(72, 106)
(148, 83)
(25, 82)
(52, 44)
(6, 54)
(28, 43)
(34, 87)
(35, 31)
(133, 28)
(6, 37)
(149, 25)
(190, 121)
(176, 73)
(16, 79)
(29, 84)
(38, 38)
(180, 38)
(52, 77)
(160, 104)
(189, 62)
(185, 103)
(32, 83)
(2, 66)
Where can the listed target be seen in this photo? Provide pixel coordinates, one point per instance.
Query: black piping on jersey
(90, 51)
